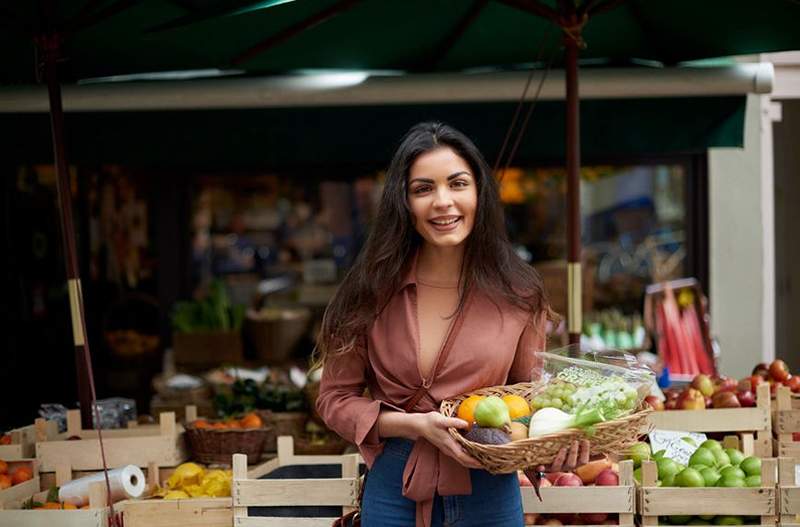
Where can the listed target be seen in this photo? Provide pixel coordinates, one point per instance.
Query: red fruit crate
(753, 425)
(789, 492)
(787, 423)
(589, 503)
(657, 501)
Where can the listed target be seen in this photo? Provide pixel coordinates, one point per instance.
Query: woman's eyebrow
(450, 177)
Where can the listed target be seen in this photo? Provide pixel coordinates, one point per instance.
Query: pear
(492, 412)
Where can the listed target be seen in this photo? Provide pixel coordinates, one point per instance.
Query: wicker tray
(217, 446)
(609, 437)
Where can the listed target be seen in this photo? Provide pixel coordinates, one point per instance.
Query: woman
(436, 305)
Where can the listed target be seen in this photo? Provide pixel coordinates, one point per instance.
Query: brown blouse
(493, 346)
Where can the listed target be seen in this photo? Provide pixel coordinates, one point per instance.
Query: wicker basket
(333, 446)
(282, 424)
(609, 437)
(217, 446)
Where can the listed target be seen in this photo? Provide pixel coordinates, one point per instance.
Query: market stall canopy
(105, 38)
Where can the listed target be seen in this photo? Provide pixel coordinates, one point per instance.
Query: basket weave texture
(217, 446)
(282, 424)
(610, 437)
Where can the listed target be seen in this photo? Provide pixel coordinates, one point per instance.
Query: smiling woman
(437, 304)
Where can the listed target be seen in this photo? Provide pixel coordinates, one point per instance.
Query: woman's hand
(433, 427)
(568, 460)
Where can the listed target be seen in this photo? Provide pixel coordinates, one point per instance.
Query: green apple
(637, 475)
(751, 466)
(639, 452)
(710, 476)
(668, 481)
(711, 444)
(732, 472)
(703, 456)
(707, 517)
(689, 477)
(667, 467)
(722, 458)
(734, 455)
(728, 520)
(753, 481)
(698, 521)
(730, 482)
(679, 519)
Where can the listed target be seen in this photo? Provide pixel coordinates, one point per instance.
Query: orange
(517, 406)
(466, 410)
(51, 505)
(69, 506)
(5, 481)
(202, 423)
(232, 424)
(251, 420)
(21, 474)
(218, 426)
(5, 439)
(3, 467)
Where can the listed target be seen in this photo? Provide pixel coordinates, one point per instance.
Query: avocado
(487, 436)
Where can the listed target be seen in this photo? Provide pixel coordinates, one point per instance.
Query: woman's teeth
(445, 222)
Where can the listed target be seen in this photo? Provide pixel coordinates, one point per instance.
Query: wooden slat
(283, 522)
(288, 492)
(13, 496)
(579, 499)
(79, 518)
(166, 451)
(198, 512)
(790, 500)
(662, 501)
(787, 421)
(714, 420)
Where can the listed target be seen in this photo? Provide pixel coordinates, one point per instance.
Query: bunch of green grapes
(557, 394)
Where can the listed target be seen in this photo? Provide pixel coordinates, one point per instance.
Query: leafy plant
(246, 395)
(212, 313)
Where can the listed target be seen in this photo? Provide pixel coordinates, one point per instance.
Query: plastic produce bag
(573, 381)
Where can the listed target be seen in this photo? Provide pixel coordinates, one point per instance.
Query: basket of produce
(524, 425)
(215, 441)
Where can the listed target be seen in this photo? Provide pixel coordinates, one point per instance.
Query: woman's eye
(460, 183)
(420, 189)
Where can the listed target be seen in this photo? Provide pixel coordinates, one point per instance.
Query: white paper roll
(126, 482)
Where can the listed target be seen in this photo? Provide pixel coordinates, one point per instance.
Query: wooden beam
(293, 30)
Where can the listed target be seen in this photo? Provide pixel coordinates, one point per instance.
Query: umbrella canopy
(120, 37)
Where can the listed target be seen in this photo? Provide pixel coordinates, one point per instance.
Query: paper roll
(126, 482)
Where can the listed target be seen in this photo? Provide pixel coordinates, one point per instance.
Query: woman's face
(443, 197)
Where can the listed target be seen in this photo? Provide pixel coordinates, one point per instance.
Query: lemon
(517, 406)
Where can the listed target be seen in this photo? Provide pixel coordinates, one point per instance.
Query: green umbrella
(85, 39)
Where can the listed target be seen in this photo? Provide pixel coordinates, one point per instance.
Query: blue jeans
(495, 500)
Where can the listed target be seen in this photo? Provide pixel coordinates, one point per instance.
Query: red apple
(593, 518)
(725, 384)
(691, 399)
(567, 518)
(755, 380)
(607, 478)
(530, 518)
(552, 477)
(725, 400)
(656, 403)
(703, 384)
(787, 380)
(778, 370)
(568, 479)
(746, 399)
(671, 404)
(762, 370)
(794, 383)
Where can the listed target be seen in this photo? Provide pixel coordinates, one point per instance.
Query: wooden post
(63, 472)
(152, 475)
(74, 427)
(350, 471)
(97, 495)
(626, 479)
(769, 479)
(285, 450)
(763, 444)
(166, 422)
(41, 429)
(239, 474)
(649, 479)
(573, 162)
(190, 413)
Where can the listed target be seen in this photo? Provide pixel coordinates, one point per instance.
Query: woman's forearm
(398, 424)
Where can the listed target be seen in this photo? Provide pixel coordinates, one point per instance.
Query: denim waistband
(399, 445)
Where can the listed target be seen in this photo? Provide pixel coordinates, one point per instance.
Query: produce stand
(787, 423)
(752, 424)
(24, 490)
(23, 440)
(789, 492)
(197, 512)
(161, 444)
(250, 492)
(665, 501)
(619, 499)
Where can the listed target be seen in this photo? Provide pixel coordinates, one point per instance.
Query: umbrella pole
(50, 44)
(573, 154)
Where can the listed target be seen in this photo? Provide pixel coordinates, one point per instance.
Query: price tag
(679, 446)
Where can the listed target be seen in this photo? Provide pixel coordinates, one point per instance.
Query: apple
(755, 381)
(778, 370)
(607, 478)
(524, 481)
(794, 384)
(654, 402)
(746, 399)
(762, 370)
(552, 477)
(568, 479)
(530, 518)
(787, 380)
(703, 384)
(725, 384)
(691, 399)
(545, 483)
(725, 400)
(549, 521)
(671, 404)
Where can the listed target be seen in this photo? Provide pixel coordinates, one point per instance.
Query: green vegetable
(552, 420)
(212, 313)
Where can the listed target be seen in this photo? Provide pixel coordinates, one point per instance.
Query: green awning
(367, 135)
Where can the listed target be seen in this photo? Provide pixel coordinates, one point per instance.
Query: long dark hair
(490, 263)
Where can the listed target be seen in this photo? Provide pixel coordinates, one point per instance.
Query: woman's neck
(440, 265)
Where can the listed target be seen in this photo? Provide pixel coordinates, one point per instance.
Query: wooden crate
(162, 444)
(567, 500)
(24, 490)
(23, 440)
(198, 512)
(786, 421)
(748, 422)
(789, 492)
(248, 491)
(97, 515)
(656, 501)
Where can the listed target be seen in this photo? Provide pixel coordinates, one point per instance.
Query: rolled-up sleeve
(527, 361)
(344, 407)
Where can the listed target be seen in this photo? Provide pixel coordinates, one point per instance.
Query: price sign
(679, 446)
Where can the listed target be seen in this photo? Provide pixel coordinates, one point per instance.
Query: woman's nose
(443, 198)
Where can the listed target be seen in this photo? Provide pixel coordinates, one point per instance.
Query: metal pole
(50, 45)
(573, 154)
